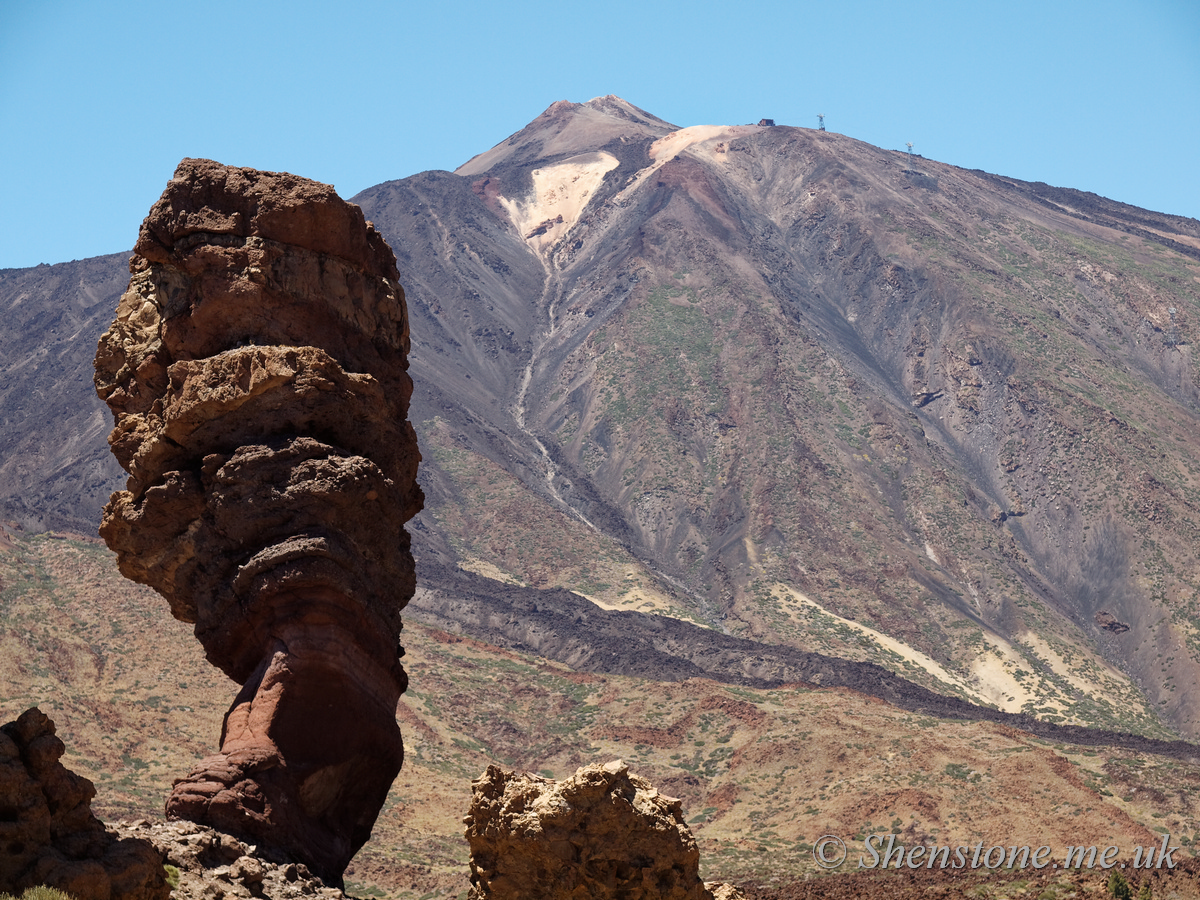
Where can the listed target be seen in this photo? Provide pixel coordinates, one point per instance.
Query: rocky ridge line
(561, 625)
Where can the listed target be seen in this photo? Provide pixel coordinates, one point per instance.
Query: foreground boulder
(207, 864)
(602, 833)
(257, 375)
(48, 834)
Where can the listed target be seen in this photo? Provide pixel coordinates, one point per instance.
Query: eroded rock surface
(212, 865)
(257, 375)
(48, 834)
(602, 833)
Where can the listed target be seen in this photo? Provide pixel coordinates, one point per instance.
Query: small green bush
(41, 892)
(172, 876)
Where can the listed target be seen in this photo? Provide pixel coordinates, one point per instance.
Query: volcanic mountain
(815, 393)
(772, 387)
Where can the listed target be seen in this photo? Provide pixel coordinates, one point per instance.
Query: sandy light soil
(560, 193)
(916, 657)
(672, 145)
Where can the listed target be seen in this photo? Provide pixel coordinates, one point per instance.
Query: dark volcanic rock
(1109, 622)
(256, 371)
(564, 626)
(55, 470)
(48, 834)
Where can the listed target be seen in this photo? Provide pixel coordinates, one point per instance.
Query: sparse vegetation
(40, 892)
(934, 435)
(1118, 886)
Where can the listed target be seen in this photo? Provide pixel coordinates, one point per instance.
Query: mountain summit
(817, 393)
(567, 127)
(790, 387)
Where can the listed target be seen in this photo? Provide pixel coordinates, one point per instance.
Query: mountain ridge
(871, 266)
(803, 390)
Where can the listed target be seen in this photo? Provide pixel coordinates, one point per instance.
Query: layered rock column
(257, 373)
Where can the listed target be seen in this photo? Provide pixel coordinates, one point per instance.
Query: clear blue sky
(100, 100)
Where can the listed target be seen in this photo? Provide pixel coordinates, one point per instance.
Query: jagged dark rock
(564, 626)
(48, 834)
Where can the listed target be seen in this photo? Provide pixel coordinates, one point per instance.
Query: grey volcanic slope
(814, 394)
(559, 625)
(55, 468)
(771, 364)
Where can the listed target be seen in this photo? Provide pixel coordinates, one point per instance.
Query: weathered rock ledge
(213, 865)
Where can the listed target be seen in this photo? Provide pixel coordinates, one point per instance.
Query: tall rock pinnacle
(257, 374)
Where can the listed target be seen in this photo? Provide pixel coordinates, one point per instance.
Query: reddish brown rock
(48, 834)
(257, 374)
(602, 833)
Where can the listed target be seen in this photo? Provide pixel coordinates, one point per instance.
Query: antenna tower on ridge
(909, 145)
(821, 120)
